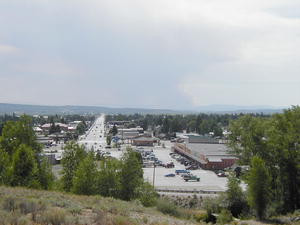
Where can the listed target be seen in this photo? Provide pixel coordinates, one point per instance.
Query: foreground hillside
(21, 206)
(27, 206)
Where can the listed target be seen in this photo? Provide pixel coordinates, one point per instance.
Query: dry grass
(21, 206)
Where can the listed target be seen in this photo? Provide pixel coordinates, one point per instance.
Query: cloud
(46, 67)
(159, 53)
(8, 49)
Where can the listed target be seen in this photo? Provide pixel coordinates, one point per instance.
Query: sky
(176, 54)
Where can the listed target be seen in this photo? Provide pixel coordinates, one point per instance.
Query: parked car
(170, 175)
(221, 174)
(158, 163)
(169, 165)
(192, 167)
(191, 178)
(182, 172)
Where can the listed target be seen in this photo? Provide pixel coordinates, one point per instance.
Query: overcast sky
(177, 54)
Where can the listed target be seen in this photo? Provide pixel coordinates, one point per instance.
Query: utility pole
(154, 174)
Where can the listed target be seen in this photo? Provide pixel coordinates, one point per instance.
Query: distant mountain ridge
(68, 109)
(7, 108)
(239, 109)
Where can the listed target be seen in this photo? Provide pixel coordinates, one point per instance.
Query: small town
(161, 112)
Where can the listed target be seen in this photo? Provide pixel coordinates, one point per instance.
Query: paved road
(94, 137)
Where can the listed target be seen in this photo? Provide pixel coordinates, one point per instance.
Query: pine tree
(24, 167)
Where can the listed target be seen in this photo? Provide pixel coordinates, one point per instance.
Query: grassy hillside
(21, 206)
(26, 206)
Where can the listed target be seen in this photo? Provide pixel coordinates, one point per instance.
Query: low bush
(10, 204)
(167, 207)
(28, 207)
(121, 220)
(54, 216)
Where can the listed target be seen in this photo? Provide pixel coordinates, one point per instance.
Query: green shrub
(200, 217)
(213, 205)
(167, 207)
(147, 195)
(224, 217)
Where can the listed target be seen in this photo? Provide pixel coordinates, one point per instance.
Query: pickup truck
(191, 178)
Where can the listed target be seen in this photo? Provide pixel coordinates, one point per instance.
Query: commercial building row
(207, 156)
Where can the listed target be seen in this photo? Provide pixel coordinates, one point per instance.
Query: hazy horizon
(164, 54)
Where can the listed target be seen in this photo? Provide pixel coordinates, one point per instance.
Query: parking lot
(209, 181)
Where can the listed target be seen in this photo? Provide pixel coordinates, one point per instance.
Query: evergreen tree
(4, 167)
(259, 187)
(24, 167)
(235, 198)
(108, 139)
(114, 130)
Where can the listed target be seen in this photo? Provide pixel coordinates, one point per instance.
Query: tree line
(167, 124)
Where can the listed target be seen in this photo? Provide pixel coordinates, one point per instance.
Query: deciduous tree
(72, 156)
(84, 180)
(131, 175)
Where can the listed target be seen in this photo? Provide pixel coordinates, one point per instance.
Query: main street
(94, 137)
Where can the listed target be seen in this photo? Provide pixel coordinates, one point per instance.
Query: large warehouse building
(208, 156)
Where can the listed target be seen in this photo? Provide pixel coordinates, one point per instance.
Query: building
(197, 138)
(46, 127)
(143, 141)
(118, 124)
(208, 156)
(38, 130)
(129, 133)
